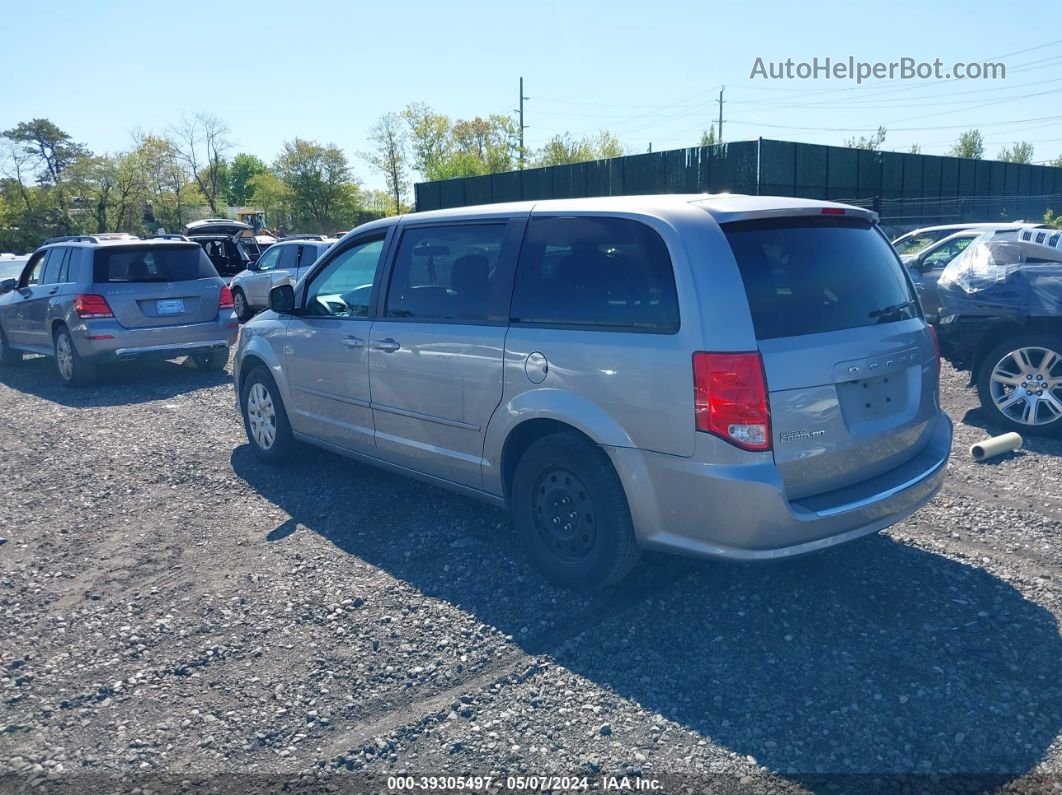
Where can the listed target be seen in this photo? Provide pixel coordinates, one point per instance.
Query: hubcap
(261, 416)
(564, 514)
(64, 357)
(1026, 386)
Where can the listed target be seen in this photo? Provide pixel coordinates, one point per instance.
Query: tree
(1056, 162)
(484, 146)
(274, 198)
(916, 149)
(708, 136)
(391, 155)
(323, 194)
(244, 167)
(53, 149)
(201, 143)
(870, 142)
(564, 149)
(1021, 153)
(429, 140)
(970, 144)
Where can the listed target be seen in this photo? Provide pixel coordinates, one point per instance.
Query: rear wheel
(1020, 384)
(240, 307)
(264, 418)
(73, 370)
(570, 508)
(213, 362)
(8, 356)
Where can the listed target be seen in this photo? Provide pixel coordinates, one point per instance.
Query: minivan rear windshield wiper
(892, 312)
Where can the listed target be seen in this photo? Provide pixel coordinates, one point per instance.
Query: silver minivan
(730, 376)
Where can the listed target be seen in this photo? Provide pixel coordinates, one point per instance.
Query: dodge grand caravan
(730, 376)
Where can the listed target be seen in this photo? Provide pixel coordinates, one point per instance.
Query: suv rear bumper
(165, 342)
(741, 511)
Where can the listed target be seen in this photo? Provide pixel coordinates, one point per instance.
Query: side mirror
(7, 285)
(282, 299)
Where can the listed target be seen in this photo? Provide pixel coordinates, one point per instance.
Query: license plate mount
(169, 306)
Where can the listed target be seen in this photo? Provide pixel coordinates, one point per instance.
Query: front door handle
(354, 342)
(387, 346)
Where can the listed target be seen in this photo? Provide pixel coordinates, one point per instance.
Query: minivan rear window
(818, 274)
(178, 263)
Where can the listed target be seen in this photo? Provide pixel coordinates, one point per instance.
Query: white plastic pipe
(997, 445)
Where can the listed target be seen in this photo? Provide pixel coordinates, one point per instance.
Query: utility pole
(522, 125)
(721, 90)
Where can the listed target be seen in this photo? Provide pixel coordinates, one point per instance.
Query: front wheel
(8, 356)
(1020, 384)
(73, 370)
(569, 507)
(264, 418)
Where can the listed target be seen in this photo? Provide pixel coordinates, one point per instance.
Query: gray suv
(94, 299)
(730, 376)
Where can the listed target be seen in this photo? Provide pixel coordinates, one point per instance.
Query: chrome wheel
(1026, 386)
(64, 356)
(239, 305)
(262, 416)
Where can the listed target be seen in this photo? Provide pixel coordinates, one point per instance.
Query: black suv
(1001, 319)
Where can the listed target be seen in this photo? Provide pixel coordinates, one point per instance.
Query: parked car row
(995, 293)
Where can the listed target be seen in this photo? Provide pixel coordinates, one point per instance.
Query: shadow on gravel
(125, 383)
(976, 418)
(875, 657)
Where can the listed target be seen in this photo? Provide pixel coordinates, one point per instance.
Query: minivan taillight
(225, 298)
(90, 306)
(730, 398)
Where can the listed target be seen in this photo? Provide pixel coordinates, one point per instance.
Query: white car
(913, 243)
(285, 261)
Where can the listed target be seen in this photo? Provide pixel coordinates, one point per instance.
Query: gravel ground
(172, 610)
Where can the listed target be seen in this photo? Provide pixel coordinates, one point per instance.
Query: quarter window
(595, 272)
(343, 288)
(445, 272)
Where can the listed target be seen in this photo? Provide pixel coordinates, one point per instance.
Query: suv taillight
(92, 306)
(225, 298)
(730, 398)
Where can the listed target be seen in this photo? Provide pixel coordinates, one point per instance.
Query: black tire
(588, 542)
(1037, 348)
(72, 369)
(8, 357)
(283, 443)
(240, 306)
(212, 362)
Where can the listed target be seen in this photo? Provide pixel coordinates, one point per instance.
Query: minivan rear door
(157, 285)
(850, 363)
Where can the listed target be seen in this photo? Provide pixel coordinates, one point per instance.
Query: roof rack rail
(308, 236)
(70, 239)
(171, 236)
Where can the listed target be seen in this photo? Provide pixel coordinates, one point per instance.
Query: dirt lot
(172, 608)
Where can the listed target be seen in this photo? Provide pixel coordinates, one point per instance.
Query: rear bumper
(167, 342)
(741, 512)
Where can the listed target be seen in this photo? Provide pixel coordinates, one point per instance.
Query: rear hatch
(850, 364)
(157, 285)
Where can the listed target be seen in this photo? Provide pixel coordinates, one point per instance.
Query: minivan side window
(595, 272)
(343, 287)
(445, 272)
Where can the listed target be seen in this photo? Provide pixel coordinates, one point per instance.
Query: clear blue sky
(650, 72)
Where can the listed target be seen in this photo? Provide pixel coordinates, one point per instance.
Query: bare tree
(201, 142)
(391, 156)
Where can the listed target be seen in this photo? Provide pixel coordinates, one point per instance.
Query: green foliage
(1021, 152)
(239, 191)
(916, 149)
(708, 137)
(391, 156)
(322, 192)
(1054, 220)
(870, 142)
(970, 144)
(564, 149)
